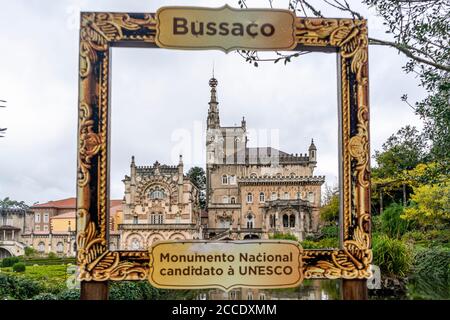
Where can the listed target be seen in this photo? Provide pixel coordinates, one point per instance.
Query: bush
(9, 261)
(392, 224)
(433, 262)
(19, 267)
(284, 236)
(69, 294)
(12, 287)
(330, 232)
(30, 251)
(45, 296)
(429, 238)
(52, 255)
(130, 290)
(393, 256)
(326, 243)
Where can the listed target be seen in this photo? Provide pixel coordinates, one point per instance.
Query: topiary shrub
(9, 262)
(19, 267)
(393, 256)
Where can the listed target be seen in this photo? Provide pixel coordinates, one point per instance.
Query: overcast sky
(160, 98)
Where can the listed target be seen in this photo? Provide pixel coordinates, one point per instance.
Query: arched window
(292, 221)
(232, 179)
(157, 193)
(225, 199)
(262, 197)
(292, 175)
(250, 221)
(249, 198)
(311, 197)
(273, 196)
(41, 247)
(253, 176)
(135, 220)
(224, 179)
(285, 221)
(37, 218)
(135, 244)
(60, 247)
(298, 195)
(272, 220)
(233, 200)
(286, 196)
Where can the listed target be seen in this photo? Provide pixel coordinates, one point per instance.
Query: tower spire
(213, 111)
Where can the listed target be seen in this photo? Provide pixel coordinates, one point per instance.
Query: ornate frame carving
(99, 31)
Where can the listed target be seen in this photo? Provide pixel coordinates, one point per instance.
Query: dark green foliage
(198, 177)
(284, 236)
(330, 232)
(19, 267)
(52, 255)
(69, 294)
(18, 288)
(393, 256)
(9, 262)
(47, 261)
(45, 296)
(326, 243)
(391, 222)
(7, 203)
(429, 238)
(129, 290)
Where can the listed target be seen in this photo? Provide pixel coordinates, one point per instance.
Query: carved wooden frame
(99, 31)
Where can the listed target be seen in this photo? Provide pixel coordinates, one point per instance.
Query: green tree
(7, 203)
(430, 205)
(198, 178)
(329, 212)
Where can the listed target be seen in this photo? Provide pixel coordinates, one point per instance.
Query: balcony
(167, 226)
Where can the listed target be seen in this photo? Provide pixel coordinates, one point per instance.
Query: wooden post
(354, 289)
(94, 290)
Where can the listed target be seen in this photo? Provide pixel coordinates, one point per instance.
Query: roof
(69, 203)
(66, 215)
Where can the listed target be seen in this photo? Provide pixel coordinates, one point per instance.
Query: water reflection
(309, 290)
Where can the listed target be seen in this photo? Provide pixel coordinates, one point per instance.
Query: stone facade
(255, 192)
(13, 224)
(161, 203)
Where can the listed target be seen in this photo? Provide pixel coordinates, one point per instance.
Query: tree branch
(407, 51)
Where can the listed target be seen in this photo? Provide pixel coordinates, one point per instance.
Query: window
(311, 197)
(157, 193)
(45, 227)
(250, 296)
(232, 179)
(224, 179)
(262, 197)
(253, 176)
(45, 217)
(37, 218)
(273, 196)
(156, 218)
(298, 196)
(135, 220)
(4, 220)
(233, 200)
(250, 221)
(249, 198)
(292, 221)
(272, 221)
(285, 221)
(286, 196)
(262, 296)
(41, 247)
(225, 199)
(38, 228)
(60, 247)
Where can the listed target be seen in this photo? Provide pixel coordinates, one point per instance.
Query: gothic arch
(177, 236)
(154, 237)
(164, 181)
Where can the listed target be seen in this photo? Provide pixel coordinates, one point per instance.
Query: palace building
(253, 193)
(160, 203)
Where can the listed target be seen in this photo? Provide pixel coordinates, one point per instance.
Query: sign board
(225, 28)
(224, 265)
